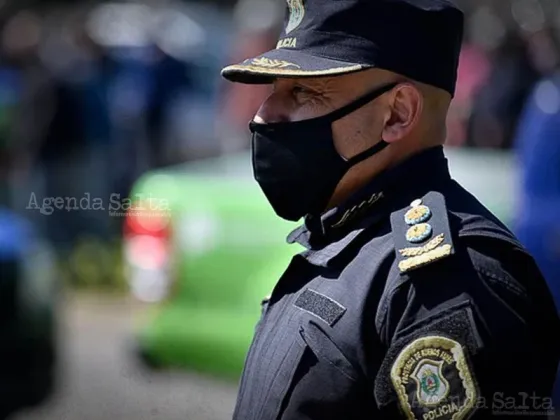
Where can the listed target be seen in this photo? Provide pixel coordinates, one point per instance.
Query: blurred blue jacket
(16, 235)
(537, 148)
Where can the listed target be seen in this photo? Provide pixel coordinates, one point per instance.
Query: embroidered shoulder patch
(421, 232)
(433, 381)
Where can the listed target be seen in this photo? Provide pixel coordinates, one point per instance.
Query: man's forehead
(305, 81)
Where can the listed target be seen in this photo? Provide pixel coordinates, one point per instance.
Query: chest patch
(321, 306)
(433, 381)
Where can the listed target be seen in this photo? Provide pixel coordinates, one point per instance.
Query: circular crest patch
(433, 381)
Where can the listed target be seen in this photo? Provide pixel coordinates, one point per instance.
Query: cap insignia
(296, 12)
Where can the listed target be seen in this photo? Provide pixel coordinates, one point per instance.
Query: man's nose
(276, 108)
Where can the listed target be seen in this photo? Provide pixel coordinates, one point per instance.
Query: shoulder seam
(503, 280)
(385, 299)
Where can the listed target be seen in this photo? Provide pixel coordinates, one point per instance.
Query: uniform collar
(326, 236)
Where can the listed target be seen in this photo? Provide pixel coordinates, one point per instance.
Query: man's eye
(299, 90)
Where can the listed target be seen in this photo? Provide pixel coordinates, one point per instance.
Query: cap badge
(418, 213)
(296, 13)
(418, 233)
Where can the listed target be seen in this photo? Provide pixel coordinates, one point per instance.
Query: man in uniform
(411, 299)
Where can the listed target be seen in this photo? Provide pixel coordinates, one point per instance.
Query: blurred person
(12, 157)
(72, 144)
(27, 103)
(473, 71)
(139, 90)
(100, 125)
(410, 300)
(483, 31)
(29, 297)
(544, 50)
(26, 87)
(171, 77)
(257, 24)
(537, 148)
(497, 107)
(129, 96)
(191, 42)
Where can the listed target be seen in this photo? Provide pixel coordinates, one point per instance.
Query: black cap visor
(286, 63)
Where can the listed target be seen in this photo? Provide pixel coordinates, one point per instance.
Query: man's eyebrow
(312, 87)
(317, 86)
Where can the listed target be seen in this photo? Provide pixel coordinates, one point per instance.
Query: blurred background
(135, 248)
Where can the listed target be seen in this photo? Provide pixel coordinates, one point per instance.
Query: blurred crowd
(94, 95)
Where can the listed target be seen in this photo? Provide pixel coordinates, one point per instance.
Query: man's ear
(406, 106)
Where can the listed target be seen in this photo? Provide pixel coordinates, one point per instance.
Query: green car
(203, 248)
(203, 244)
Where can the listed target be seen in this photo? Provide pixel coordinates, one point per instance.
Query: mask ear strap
(367, 153)
(360, 102)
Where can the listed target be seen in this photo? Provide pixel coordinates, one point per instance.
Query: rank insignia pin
(425, 224)
(418, 233)
(419, 213)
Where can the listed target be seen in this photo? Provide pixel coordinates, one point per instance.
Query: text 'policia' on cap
(419, 39)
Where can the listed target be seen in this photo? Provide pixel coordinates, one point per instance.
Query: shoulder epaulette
(421, 232)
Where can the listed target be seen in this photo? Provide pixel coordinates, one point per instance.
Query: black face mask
(296, 163)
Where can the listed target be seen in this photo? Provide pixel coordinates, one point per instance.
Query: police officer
(410, 300)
